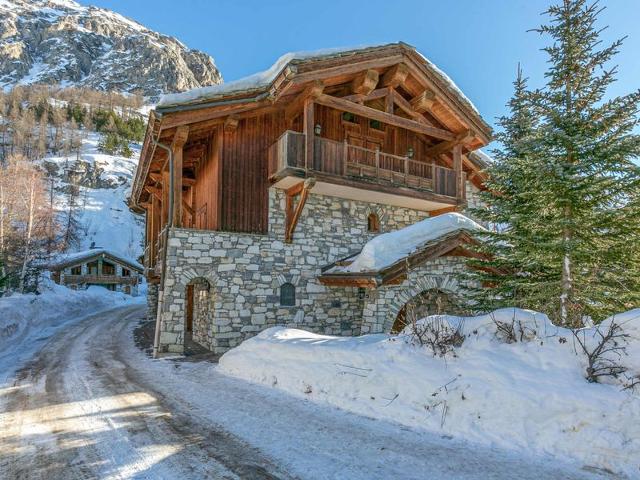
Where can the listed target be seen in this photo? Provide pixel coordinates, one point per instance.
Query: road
(89, 404)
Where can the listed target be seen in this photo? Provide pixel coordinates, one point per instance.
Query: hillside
(63, 42)
(104, 181)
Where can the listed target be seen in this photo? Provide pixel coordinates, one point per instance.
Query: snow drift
(530, 395)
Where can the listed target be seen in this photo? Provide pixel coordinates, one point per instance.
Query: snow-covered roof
(388, 248)
(71, 258)
(261, 80)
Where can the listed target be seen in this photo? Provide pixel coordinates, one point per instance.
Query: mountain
(63, 42)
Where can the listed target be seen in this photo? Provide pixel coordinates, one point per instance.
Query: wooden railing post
(406, 170)
(377, 163)
(345, 157)
(457, 167)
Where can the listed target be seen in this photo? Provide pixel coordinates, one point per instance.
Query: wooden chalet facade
(97, 267)
(365, 140)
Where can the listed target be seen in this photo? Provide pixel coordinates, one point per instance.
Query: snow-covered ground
(27, 321)
(90, 404)
(529, 396)
(103, 214)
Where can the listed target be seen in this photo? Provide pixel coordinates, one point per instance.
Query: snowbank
(526, 396)
(388, 248)
(26, 321)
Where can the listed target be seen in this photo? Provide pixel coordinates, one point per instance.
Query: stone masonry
(237, 277)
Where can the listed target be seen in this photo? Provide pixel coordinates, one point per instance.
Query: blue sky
(477, 43)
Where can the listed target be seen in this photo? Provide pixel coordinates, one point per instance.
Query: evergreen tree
(569, 198)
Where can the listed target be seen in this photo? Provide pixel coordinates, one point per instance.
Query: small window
(376, 124)
(126, 272)
(349, 117)
(287, 295)
(76, 270)
(373, 223)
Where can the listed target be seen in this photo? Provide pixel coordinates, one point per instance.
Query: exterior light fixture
(318, 129)
(410, 152)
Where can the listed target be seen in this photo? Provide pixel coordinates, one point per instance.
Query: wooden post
(179, 139)
(377, 163)
(457, 167)
(345, 157)
(308, 127)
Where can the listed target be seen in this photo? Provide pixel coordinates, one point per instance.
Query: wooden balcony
(370, 167)
(99, 279)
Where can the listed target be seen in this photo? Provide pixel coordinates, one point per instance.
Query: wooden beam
(155, 176)
(441, 211)
(359, 98)
(294, 216)
(395, 76)
(366, 82)
(177, 146)
(188, 182)
(372, 113)
(308, 129)
(457, 166)
(230, 124)
(406, 107)
(187, 207)
(388, 103)
(295, 107)
(424, 101)
(443, 147)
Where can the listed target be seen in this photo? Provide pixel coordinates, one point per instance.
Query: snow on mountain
(104, 180)
(63, 42)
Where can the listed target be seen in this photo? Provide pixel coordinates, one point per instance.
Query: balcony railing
(346, 160)
(99, 279)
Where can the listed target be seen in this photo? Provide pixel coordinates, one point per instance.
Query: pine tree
(569, 198)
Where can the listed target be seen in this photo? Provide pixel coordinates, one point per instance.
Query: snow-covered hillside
(63, 42)
(105, 180)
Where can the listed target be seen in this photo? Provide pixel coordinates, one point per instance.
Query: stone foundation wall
(152, 301)
(246, 271)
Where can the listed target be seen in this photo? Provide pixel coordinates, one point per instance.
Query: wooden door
(188, 312)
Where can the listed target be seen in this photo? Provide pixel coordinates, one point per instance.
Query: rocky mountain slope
(63, 42)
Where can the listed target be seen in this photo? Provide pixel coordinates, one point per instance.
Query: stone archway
(197, 314)
(429, 288)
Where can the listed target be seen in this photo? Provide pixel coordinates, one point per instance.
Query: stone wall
(152, 301)
(383, 304)
(246, 271)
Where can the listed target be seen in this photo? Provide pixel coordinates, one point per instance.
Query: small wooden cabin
(322, 152)
(99, 267)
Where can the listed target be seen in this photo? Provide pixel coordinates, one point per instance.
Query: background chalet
(97, 266)
(254, 189)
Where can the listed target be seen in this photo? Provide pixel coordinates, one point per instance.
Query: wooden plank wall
(245, 183)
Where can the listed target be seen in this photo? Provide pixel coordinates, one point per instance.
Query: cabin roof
(65, 260)
(389, 256)
(262, 81)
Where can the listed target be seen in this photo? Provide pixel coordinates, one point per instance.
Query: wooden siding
(245, 181)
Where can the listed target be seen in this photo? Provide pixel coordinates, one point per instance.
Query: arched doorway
(198, 312)
(428, 302)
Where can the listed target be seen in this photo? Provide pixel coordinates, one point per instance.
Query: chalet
(100, 267)
(253, 190)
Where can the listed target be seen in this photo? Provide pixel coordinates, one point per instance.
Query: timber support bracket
(293, 214)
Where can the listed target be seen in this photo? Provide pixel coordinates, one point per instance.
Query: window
(349, 117)
(376, 124)
(108, 268)
(126, 272)
(76, 270)
(287, 295)
(373, 223)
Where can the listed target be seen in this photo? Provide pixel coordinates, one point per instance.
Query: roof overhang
(452, 244)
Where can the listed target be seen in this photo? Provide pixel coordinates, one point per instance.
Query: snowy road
(89, 404)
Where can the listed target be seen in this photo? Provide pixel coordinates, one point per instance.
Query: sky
(478, 43)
